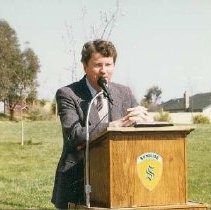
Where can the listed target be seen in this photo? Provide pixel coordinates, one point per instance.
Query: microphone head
(101, 81)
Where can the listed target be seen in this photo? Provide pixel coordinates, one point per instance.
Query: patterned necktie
(102, 108)
(99, 102)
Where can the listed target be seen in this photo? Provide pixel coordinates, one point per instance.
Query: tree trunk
(12, 114)
(4, 106)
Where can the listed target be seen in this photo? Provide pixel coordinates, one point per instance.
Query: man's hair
(105, 48)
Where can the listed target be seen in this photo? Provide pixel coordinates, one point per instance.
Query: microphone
(103, 84)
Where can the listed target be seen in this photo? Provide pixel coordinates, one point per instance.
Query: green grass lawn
(27, 172)
(199, 164)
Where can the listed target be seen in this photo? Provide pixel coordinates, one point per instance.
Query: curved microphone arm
(87, 184)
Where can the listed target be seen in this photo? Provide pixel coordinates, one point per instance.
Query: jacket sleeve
(73, 120)
(133, 100)
(128, 100)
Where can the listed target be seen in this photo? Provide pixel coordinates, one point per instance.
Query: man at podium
(121, 109)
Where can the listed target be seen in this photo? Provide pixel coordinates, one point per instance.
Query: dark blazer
(73, 101)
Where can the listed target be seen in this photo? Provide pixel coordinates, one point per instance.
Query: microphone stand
(87, 184)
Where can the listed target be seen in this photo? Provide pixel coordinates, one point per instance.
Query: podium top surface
(174, 128)
(153, 128)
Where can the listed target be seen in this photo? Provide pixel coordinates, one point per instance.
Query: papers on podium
(152, 124)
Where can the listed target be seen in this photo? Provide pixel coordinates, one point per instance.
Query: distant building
(182, 110)
(200, 102)
(1, 107)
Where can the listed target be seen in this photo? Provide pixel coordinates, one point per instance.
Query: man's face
(99, 66)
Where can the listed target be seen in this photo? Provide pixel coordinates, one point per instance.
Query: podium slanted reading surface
(140, 168)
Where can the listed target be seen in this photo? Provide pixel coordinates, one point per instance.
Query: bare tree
(102, 30)
(71, 51)
(107, 23)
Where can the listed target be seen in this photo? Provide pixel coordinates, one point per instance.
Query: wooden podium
(140, 168)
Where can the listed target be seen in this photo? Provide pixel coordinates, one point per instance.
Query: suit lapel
(84, 101)
(94, 117)
(116, 108)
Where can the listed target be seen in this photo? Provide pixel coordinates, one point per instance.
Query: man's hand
(135, 114)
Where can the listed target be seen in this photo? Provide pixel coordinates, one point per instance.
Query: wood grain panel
(126, 187)
(113, 172)
(100, 173)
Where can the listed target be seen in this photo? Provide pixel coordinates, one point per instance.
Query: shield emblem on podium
(150, 168)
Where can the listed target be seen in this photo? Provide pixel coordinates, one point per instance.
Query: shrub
(43, 102)
(162, 116)
(200, 119)
(38, 113)
(3, 117)
(53, 107)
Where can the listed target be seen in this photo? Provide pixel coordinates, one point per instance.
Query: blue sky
(159, 42)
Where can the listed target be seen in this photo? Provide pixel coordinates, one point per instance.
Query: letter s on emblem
(149, 168)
